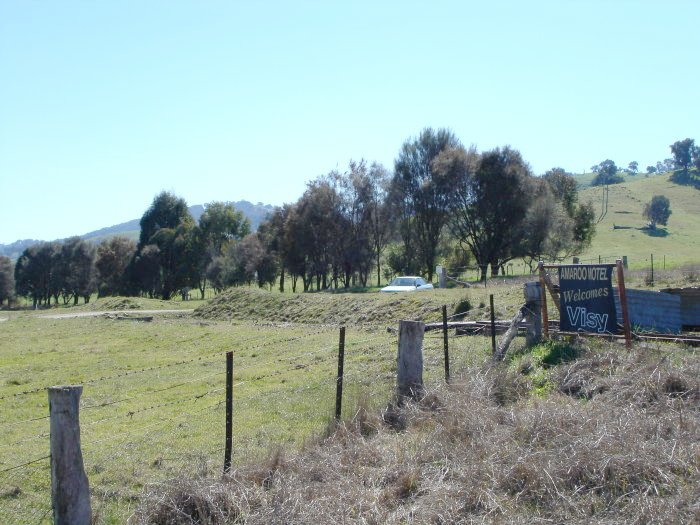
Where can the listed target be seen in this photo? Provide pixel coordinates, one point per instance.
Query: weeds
(486, 450)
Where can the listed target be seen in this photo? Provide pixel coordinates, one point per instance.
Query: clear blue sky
(104, 104)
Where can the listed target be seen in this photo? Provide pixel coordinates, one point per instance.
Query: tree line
(684, 155)
(443, 203)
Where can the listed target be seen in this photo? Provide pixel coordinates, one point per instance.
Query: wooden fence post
(229, 412)
(543, 295)
(70, 491)
(410, 359)
(623, 304)
(445, 344)
(339, 380)
(533, 313)
(493, 326)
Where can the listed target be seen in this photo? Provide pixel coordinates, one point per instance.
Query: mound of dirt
(120, 303)
(324, 308)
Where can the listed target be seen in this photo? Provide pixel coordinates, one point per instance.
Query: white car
(407, 284)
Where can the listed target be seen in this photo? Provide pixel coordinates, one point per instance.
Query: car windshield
(403, 281)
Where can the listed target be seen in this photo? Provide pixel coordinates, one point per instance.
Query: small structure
(689, 306)
(653, 311)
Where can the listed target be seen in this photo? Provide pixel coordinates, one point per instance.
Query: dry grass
(616, 441)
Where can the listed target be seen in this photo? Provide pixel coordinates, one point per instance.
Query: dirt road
(112, 312)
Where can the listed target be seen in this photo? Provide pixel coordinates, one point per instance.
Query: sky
(105, 104)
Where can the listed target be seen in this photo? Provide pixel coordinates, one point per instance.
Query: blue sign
(586, 299)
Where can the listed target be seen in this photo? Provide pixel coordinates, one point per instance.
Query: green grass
(678, 244)
(152, 404)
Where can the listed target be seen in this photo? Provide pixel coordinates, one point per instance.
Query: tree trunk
(484, 271)
(282, 280)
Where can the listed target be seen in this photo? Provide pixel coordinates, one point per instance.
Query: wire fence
(153, 423)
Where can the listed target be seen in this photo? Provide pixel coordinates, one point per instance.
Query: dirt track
(111, 312)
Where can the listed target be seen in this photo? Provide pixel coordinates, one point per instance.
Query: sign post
(623, 303)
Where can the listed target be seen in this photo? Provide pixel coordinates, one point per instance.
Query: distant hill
(678, 243)
(256, 213)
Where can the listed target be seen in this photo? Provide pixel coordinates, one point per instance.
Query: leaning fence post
(493, 326)
(339, 379)
(229, 412)
(445, 343)
(410, 359)
(533, 313)
(70, 491)
(543, 300)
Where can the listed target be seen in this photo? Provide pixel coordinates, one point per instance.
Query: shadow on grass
(689, 178)
(655, 232)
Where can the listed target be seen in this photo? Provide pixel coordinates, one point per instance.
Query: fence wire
(154, 423)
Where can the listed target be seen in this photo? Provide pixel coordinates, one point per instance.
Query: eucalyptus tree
(76, 268)
(113, 256)
(422, 195)
(156, 268)
(7, 280)
(491, 194)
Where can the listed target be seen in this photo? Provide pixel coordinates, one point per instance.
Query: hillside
(679, 242)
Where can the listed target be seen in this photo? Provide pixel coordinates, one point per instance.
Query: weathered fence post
(229, 412)
(533, 312)
(493, 326)
(445, 344)
(339, 379)
(623, 304)
(624, 262)
(70, 491)
(442, 276)
(410, 359)
(543, 300)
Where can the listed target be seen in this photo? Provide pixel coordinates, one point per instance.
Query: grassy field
(577, 433)
(152, 405)
(678, 244)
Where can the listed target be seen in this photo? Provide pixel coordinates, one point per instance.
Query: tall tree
(77, 263)
(219, 225)
(166, 211)
(565, 191)
(320, 226)
(491, 195)
(607, 174)
(7, 280)
(564, 188)
(113, 256)
(380, 217)
(272, 235)
(162, 224)
(548, 227)
(35, 273)
(682, 153)
(423, 194)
